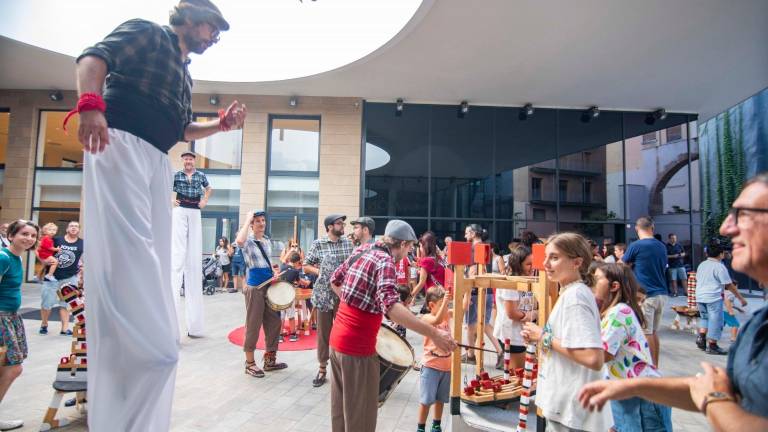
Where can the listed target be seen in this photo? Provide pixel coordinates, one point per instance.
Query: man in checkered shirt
(192, 192)
(324, 256)
(365, 284)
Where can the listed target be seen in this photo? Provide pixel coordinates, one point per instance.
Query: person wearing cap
(365, 284)
(324, 256)
(135, 103)
(192, 193)
(257, 248)
(362, 230)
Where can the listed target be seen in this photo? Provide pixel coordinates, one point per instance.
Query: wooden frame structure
(461, 255)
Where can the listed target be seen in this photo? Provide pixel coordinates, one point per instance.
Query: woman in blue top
(23, 237)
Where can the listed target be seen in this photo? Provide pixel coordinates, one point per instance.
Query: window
(222, 150)
(650, 138)
(675, 133)
(563, 190)
(294, 144)
(539, 214)
(587, 196)
(55, 148)
(293, 183)
(536, 188)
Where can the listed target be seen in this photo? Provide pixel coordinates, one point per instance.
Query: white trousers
(132, 330)
(187, 266)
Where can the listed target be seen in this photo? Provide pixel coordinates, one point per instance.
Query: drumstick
(266, 282)
(475, 348)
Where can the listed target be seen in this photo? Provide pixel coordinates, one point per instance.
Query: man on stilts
(192, 193)
(135, 103)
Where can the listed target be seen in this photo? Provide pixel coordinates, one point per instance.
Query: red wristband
(223, 124)
(87, 102)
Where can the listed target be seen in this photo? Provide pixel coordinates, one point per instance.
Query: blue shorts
(677, 273)
(434, 386)
(730, 320)
(48, 297)
(471, 316)
(238, 268)
(639, 415)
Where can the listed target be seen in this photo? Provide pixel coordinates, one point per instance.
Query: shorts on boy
(434, 386)
(48, 297)
(653, 309)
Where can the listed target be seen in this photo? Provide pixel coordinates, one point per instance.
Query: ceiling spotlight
(660, 114)
(463, 109)
(591, 114)
(293, 102)
(213, 100)
(55, 95)
(399, 107)
(526, 111)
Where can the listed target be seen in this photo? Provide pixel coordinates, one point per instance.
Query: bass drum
(395, 360)
(280, 296)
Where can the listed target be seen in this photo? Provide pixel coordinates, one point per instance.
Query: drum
(395, 360)
(280, 296)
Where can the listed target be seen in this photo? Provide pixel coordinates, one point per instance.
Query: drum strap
(264, 254)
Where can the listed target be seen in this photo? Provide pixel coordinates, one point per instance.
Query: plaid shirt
(253, 256)
(369, 283)
(328, 256)
(190, 188)
(144, 60)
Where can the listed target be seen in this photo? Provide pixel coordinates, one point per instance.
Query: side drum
(280, 296)
(395, 360)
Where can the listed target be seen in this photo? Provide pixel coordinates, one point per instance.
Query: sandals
(320, 379)
(253, 370)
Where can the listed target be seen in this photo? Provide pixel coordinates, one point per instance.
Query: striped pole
(507, 359)
(525, 397)
(692, 290)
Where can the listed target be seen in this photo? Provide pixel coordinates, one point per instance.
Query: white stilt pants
(187, 265)
(132, 331)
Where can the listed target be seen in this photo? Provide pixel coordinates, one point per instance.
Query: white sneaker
(10, 424)
(49, 278)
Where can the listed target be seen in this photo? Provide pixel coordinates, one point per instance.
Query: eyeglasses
(215, 36)
(734, 212)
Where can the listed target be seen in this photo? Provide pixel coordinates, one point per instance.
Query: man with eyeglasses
(734, 398)
(135, 103)
(325, 255)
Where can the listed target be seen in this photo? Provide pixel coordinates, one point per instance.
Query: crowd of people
(599, 344)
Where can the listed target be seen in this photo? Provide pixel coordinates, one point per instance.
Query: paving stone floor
(214, 395)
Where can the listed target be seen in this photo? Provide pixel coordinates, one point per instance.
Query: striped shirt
(369, 283)
(190, 187)
(253, 256)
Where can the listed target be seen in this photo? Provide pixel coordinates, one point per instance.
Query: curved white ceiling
(269, 40)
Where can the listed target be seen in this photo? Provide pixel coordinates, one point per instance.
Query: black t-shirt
(675, 249)
(68, 256)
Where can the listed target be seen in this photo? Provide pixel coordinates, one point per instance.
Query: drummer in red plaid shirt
(366, 285)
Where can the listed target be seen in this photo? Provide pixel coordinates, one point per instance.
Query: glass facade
(293, 181)
(553, 171)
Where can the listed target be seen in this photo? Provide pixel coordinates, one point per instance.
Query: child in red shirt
(46, 250)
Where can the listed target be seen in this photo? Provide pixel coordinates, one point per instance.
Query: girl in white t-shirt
(626, 349)
(514, 308)
(571, 353)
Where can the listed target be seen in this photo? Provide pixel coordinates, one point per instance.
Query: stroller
(211, 273)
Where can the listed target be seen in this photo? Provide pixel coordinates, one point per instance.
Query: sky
(269, 40)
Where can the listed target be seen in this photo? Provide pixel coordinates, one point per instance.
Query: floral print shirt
(624, 339)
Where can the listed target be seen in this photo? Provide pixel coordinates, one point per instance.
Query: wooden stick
(476, 348)
(269, 281)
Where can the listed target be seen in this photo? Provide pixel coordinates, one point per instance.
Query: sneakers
(65, 333)
(43, 331)
(701, 341)
(280, 339)
(294, 337)
(714, 348)
(6, 425)
(436, 428)
(468, 359)
(49, 278)
(500, 361)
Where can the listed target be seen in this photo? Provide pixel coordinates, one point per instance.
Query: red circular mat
(237, 337)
